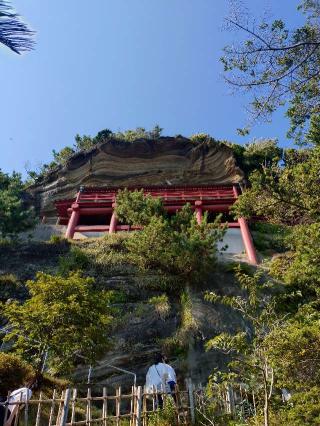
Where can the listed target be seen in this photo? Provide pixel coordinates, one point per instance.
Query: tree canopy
(65, 316)
(276, 65)
(175, 245)
(15, 216)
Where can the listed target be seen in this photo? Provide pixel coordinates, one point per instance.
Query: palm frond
(14, 33)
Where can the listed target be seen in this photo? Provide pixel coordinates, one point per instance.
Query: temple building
(81, 195)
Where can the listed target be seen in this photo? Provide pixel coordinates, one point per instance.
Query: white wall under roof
(233, 240)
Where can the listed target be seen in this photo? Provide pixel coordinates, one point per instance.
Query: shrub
(65, 315)
(14, 372)
(75, 260)
(166, 416)
(161, 305)
(201, 138)
(58, 239)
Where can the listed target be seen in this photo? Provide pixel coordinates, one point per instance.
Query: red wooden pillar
(198, 211)
(73, 221)
(246, 236)
(113, 221)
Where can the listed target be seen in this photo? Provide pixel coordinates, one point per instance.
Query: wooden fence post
(39, 411)
(65, 408)
(139, 405)
(191, 401)
(105, 407)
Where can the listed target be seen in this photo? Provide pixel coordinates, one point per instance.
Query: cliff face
(166, 161)
(140, 329)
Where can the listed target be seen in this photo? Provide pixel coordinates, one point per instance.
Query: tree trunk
(266, 399)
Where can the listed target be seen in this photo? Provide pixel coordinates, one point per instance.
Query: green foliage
(103, 135)
(75, 260)
(200, 138)
(276, 65)
(166, 416)
(313, 135)
(139, 133)
(14, 373)
(65, 316)
(257, 154)
(161, 305)
(108, 255)
(15, 216)
(294, 350)
(284, 195)
(175, 245)
(300, 268)
(11, 288)
(58, 239)
(61, 157)
(269, 237)
(135, 208)
(302, 409)
(250, 358)
(84, 143)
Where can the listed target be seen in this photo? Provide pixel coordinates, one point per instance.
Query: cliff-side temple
(82, 195)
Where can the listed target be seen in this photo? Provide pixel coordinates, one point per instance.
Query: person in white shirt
(161, 377)
(22, 394)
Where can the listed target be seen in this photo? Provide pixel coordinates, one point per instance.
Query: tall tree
(276, 65)
(65, 316)
(15, 215)
(14, 33)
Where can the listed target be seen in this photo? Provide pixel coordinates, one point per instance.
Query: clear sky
(120, 64)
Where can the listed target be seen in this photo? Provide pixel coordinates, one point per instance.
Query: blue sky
(120, 64)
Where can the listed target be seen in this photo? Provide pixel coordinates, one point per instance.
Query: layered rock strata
(166, 161)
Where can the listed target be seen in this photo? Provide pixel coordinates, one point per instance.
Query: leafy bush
(269, 237)
(108, 254)
(75, 260)
(64, 315)
(166, 416)
(200, 138)
(14, 372)
(58, 239)
(176, 246)
(161, 305)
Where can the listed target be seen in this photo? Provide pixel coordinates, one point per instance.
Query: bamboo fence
(72, 407)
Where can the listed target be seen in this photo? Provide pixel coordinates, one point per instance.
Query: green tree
(65, 316)
(15, 216)
(61, 157)
(135, 208)
(257, 154)
(277, 65)
(14, 33)
(313, 135)
(84, 143)
(103, 135)
(175, 245)
(284, 195)
(294, 351)
(247, 348)
(299, 267)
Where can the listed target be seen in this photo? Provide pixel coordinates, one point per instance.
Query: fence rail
(69, 408)
(72, 407)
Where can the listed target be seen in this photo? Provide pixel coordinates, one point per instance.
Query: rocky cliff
(115, 163)
(141, 329)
